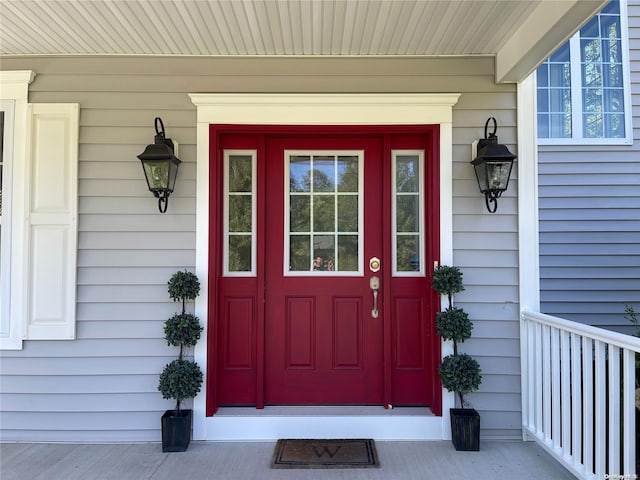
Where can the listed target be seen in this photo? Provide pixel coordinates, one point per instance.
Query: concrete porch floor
(250, 461)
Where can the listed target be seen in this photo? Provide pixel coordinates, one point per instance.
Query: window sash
(571, 123)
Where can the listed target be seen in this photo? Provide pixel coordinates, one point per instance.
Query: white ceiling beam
(548, 27)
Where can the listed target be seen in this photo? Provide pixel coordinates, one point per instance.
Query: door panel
(300, 333)
(408, 333)
(347, 333)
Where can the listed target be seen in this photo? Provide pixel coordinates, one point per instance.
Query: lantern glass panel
(498, 175)
(481, 175)
(157, 173)
(173, 173)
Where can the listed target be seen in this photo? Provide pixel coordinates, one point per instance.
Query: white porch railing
(578, 398)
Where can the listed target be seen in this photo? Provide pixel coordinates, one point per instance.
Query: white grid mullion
(576, 86)
(312, 194)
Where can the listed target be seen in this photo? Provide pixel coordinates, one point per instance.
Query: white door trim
(317, 109)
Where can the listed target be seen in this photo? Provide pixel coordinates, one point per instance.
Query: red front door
(320, 266)
(323, 345)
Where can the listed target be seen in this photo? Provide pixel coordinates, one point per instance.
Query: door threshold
(272, 423)
(323, 411)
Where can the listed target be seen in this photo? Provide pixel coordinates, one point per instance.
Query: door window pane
(299, 253)
(300, 213)
(239, 253)
(324, 212)
(348, 173)
(408, 253)
(348, 213)
(300, 173)
(408, 201)
(324, 253)
(239, 213)
(324, 174)
(348, 253)
(240, 173)
(408, 213)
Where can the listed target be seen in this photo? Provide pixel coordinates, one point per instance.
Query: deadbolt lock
(374, 264)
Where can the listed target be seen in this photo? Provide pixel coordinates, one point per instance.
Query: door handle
(374, 284)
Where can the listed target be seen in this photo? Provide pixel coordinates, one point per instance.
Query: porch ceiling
(519, 33)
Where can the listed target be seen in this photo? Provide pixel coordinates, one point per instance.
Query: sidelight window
(408, 212)
(240, 213)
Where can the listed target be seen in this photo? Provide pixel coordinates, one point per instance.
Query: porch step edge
(271, 427)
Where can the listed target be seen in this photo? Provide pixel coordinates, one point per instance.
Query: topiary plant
(460, 373)
(182, 379)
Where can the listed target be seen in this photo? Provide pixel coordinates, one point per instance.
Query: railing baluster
(538, 356)
(530, 380)
(613, 467)
(565, 392)
(546, 383)
(600, 409)
(629, 412)
(555, 387)
(576, 399)
(587, 403)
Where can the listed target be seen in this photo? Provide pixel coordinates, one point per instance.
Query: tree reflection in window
(323, 213)
(240, 213)
(408, 212)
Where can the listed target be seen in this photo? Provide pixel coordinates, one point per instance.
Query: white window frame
(14, 89)
(286, 254)
(421, 223)
(8, 324)
(227, 155)
(576, 92)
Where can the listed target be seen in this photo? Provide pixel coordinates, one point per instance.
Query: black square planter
(176, 430)
(465, 429)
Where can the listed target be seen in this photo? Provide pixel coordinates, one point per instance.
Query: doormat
(349, 453)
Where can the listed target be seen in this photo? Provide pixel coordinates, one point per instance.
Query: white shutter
(51, 236)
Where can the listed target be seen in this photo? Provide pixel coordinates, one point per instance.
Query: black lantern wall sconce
(160, 166)
(492, 165)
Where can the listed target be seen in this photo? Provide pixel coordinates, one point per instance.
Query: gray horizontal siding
(102, 386)
(590, 221)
